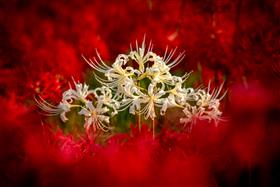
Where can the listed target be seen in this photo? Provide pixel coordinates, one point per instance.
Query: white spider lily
(121, 89)
(168, 56)
(52, 110)
(205, 97)
(132, 100)
(104, 97)
(124, 87)
(118, 77)
(95, 117)
(206, 108)
(140, 57)
(179, 94)
(80, 93)
(192, 113)
(168, 103)
(135, 106)
(152, 100)
(99, 66)
(117, 72)
(159, 73)
(65, 105)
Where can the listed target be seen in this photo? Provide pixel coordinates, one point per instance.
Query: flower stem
(153, 121)
(139, 121)
(139, 115)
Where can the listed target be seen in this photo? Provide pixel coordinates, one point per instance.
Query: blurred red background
(238, 42)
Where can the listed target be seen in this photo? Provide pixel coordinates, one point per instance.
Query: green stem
(153, 121)
(139, 122)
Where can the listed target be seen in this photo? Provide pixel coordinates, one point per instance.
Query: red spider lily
(48, 86)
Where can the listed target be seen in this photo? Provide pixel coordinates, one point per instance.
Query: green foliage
(122, 121)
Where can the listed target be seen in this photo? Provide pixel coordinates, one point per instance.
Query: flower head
(140, 81)
(206, 107)
(80, 93)
(151, 100)
(95, 117)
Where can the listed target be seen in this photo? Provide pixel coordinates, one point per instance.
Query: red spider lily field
(229, 47)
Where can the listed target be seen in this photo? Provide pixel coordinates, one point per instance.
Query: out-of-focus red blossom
(250, 96)
(191, 170)
(249, 144)
(215, 78)
(48, 86)
(58, 147)
(12, 111)
(250, 104)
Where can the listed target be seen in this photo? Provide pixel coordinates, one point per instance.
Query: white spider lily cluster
(141, 82)
(97, 113)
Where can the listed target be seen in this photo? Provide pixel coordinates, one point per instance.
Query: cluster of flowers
(142, 90)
